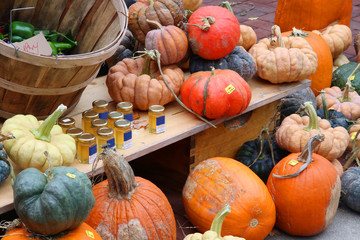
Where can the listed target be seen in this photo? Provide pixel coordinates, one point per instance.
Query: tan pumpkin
(170, 41)
(338, 37)
(340, 60)
(284, 59)
(139, 81)
(247, 37)
(295, 131)
(338, 167)
(342, 101)
(192, 5)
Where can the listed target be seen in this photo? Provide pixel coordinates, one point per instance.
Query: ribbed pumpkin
(129, 207)
(312, 14)
(217, 93)
(213, 32)
(305, 203)
(350, 188)
(166, 12)
(322, 77)
(170, 41)
(294, 101)
(83, 232)
(218, 181)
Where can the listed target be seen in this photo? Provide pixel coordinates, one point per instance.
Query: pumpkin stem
(275, 30)
(313, 119)
(228, 5)
(50, 174)
(43, 132)
(325, 108)
(151, 2)
(9, 225)
(298, 33)
(121, 178)
(354, 153)
(348, 87)
(218, 220)
(208, 21)
(161, 27)
(305, 155)
(4, 137)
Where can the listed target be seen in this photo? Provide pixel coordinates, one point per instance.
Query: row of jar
(114, 129)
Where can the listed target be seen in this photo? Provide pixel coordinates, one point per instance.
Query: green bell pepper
(16, 38)
(22, 29)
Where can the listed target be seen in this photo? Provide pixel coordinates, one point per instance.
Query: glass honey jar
(102, 107)
(66, 123)
(123, 134)
(75, 133)
(113, 116)
(96, 124)
(87, 148)
(105, 135)
(87, 118)
(127, 109)
(156, 119)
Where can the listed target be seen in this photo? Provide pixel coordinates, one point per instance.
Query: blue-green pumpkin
(49, 204)
(4, 165)
(350, 188)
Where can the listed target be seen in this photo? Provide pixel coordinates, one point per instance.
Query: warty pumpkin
(213, 32)
(276, 58)
(129, 207)
(83, 232)
(247, 37)
(216, 93)
(139, 81)
(166, 12)
(295, 131)
(170, 41)
(312, 14)
(306, 190)
(218, 181)
(342, 73)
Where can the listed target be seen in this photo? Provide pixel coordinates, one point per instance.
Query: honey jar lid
(86, 137)
(66, 121)
(74, 131)
(156, 108)
(122, 123)
(98, 122)
(100, 103)
(90, 114)
(124, 105)
(115, 115)
(105, 131)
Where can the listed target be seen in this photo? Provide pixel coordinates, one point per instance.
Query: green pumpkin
(4, 165)
(341, 74)
(49, 205)
(350, 188)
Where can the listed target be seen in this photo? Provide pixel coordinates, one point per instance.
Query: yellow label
(71, 175)
(353, 136)
(352, 77)
(90, 234)
(293, 162)
(229, 89)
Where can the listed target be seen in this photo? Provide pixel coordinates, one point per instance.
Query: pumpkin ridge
(205, 95)
(238, 87)
(167, 41)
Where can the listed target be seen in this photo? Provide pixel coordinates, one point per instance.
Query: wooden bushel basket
(33, 84)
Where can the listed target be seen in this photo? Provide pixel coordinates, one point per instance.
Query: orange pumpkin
(323, 75)
(219, 181)
(306, 200)
(129, 207)
(83, 232)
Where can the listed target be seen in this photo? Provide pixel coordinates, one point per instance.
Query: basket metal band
(44, 91)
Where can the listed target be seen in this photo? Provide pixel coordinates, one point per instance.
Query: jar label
(103, 115)
(127, 139)
(111, 142)
(129, 117)
(92, 153)
(160, 124)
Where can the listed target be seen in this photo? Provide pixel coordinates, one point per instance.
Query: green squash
(51, 203)
(350, 188)
(341, 74)
(4, 165)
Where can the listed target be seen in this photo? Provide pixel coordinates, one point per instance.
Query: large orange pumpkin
(83, 232)
(312, 14)
(323, 75)
(219, 181)
(129, 207)
(305, 203)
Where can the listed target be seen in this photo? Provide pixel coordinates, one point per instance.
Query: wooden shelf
(180, 124)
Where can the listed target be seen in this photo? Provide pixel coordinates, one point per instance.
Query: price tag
(293, 162)
(352, 77)
(229, 89)
(90, 234)
(36, 44)
(71, 175)
(353, 136)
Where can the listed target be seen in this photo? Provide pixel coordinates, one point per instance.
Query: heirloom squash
(306, 190)
(294, 101)
(170, 41)
(350, 188)
(192, 5)
(213, 32)
(4, 164)
(48, 203)
(247, 37)
(83, 232)
(218, 181)
(239, 60)
(129, 207)
(33, 137)
(342, 73)
(216, 93)
(312, 14)
(295, 131)
(139, 81)
(276, 58)
(166, 12)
